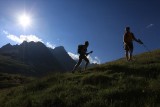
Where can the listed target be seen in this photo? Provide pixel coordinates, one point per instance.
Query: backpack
(80, 47)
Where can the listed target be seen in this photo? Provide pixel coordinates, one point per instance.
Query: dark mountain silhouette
(38, 58)
(63, 58)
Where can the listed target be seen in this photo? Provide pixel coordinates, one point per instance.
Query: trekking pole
(144, 45)
(146, 48)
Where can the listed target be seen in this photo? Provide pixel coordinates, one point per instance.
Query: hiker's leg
(130, 56)
(77, 65)
(127, 55)
(126, 48)
(131, 51)
(87, 62)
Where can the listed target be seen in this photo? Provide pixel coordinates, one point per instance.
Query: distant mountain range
(34, 58)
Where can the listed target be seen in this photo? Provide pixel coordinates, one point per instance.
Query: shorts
(128, 46)
(83, 56)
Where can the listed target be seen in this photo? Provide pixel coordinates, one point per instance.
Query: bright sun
(24, 20)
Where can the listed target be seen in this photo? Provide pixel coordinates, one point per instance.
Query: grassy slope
(9, 65)
(12, 80)
(115, 84)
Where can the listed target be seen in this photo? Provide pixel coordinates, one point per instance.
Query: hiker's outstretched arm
(134, 38)
(137, 40)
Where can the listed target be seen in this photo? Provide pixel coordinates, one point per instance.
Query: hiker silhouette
(82, 51)
(128, 43)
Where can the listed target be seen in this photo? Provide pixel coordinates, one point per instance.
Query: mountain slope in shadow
(38, 58)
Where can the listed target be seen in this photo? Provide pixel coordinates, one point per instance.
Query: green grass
(10, 80)
(115, 84)
(12, 66)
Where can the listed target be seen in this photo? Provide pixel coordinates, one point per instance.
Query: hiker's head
(127, 29)
(86, 43)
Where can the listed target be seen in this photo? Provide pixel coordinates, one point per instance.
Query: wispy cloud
(98, 60)
(48, 44)
(94, 59)
(14, 38)
(91, 59)
(74, 56)
(28, 38)
(22, 38)
(5, 32)
(150, 25)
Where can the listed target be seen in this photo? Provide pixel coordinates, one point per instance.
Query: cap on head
(127, 28)
(86, 43)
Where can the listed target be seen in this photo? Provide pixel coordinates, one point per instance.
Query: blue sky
(71, 22)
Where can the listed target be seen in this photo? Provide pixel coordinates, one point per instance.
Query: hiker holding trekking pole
(128, 43)
(82, 51)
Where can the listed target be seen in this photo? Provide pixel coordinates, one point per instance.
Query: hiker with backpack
(128, 43)
(82, 51)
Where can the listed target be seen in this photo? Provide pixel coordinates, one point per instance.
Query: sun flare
(24, 20)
